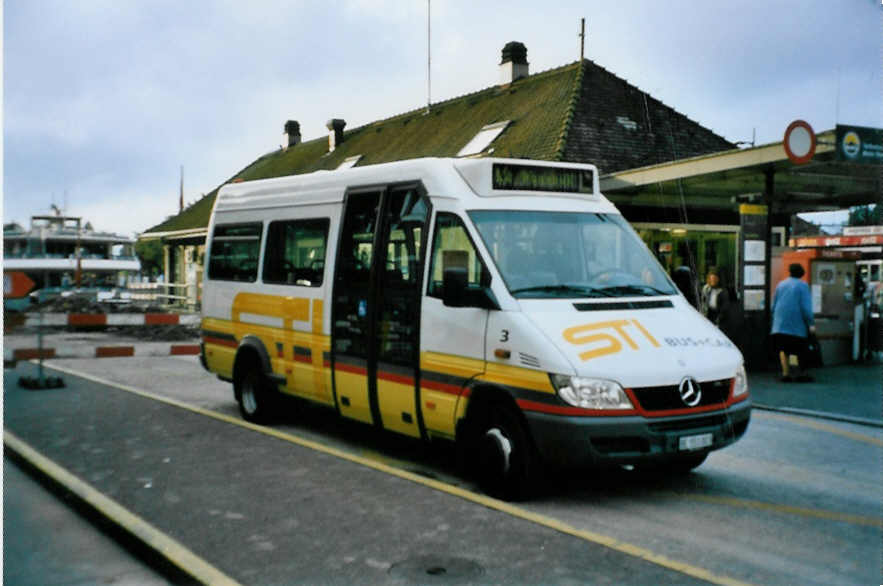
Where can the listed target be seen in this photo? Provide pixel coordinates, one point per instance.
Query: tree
(868, 215)
(150, 253)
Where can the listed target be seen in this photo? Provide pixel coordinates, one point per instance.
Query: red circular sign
(800, 142)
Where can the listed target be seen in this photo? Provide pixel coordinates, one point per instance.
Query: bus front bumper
(573, 442)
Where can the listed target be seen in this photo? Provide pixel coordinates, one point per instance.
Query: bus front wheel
(506, 460)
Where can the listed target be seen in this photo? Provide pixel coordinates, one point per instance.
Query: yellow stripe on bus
(290, 309)
(515, 376)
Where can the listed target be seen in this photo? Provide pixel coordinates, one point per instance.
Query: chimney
(514, 64)
(292, 134)
(335, 132)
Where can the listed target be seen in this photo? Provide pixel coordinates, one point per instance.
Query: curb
(821, 415)
(81, 351)
(110, 319)
(163, 548)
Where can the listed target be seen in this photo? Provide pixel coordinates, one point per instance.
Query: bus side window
(295, 253)
(234, 252)
(453, 244)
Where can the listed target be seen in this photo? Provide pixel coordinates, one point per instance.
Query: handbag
(813, 351)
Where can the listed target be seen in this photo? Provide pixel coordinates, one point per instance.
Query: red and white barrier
(110, 319)
(91, 351)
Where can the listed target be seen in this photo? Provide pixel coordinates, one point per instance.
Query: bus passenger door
(397, 333)
(353, 306)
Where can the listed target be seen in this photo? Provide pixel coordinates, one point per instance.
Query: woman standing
(713, 299)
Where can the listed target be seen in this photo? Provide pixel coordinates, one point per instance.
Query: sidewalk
(852, 392)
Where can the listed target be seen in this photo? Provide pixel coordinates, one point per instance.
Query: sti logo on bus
(609, 334)
(535, 178)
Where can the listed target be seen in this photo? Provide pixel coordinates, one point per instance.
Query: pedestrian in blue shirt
(793, 322)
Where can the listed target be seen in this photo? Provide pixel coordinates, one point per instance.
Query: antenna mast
(428, 55)
(582, 39)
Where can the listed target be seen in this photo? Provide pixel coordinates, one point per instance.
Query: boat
(61, 254)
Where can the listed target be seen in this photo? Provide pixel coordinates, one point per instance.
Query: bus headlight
(740, 382)
(590, 393)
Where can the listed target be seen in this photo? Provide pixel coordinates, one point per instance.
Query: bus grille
(668, 398)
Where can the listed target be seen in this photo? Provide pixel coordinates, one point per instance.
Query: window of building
(483, 139)
(295, 253)
(234, 252)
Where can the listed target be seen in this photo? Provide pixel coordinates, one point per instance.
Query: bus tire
(253, 393)
(506, 459)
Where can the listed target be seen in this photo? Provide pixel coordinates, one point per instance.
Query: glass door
(397, 335)
(352, 307)
(376, 308)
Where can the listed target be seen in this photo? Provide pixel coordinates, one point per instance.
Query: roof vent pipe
(514, 64)
(291, 136)
(335, 133)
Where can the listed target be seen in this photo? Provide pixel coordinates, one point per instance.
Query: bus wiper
(647, 290)
(582, 291)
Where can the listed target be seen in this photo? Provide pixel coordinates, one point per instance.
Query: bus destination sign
(515, 177)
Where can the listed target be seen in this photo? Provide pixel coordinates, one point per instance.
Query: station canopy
(828, 181)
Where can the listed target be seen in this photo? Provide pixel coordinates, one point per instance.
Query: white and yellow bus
(505, 304)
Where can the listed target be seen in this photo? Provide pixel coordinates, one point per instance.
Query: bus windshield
(570, 255)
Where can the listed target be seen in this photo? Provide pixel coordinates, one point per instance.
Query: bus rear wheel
(253, 395)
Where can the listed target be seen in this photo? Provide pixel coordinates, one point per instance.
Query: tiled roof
(579, 112)
(616, 126)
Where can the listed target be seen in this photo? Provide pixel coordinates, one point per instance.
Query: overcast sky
(104, 100)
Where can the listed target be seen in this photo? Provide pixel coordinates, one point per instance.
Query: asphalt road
(797, 500)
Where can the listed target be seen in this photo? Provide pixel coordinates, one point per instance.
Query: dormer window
(349, 162)
(483, 139)
(627, 123)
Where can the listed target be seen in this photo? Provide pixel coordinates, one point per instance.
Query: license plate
(695, 442)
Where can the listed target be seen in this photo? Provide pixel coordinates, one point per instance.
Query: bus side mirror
(456, 291)
(455, 282)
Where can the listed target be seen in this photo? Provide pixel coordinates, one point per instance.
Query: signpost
(16, 285)
(799, 142)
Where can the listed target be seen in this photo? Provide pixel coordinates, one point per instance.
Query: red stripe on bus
(220, 342)
(352, 369)
(395, 378)
(576, 411)
(683, 411)
(441, 387)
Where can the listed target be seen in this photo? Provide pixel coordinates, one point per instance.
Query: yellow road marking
(488, 502)
(161, 543)
(859, 437)
(785, 509)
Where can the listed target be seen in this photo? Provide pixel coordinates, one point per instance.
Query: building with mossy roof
(576, 113)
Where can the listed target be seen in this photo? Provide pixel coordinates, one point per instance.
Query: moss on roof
(573, 113)
(537, 107)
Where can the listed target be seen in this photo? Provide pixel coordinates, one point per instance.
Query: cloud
(106, 99)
